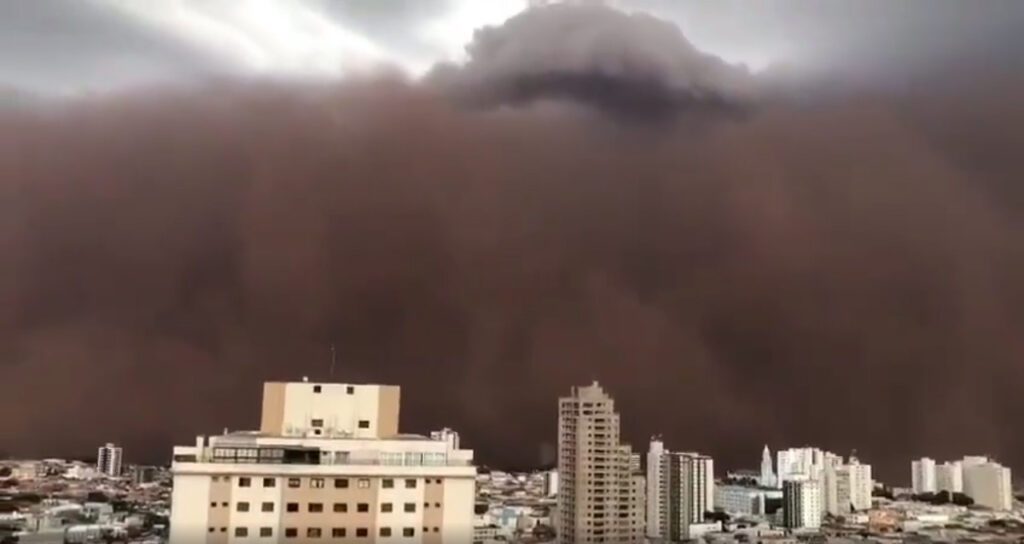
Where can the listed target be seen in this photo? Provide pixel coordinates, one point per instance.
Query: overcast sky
(68, 46)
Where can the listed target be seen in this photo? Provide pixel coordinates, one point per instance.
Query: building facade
(327, 463)
(949, 476)
(989, 484)
(680, 490)
(799, 464)
(108, 460)
(922, 475)
(801, 500)
(744, 500)
(599, 496)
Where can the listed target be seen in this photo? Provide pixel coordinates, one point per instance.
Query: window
(266, 531)
(437, 505)
(338, 532)
(315, 507)
(242, 507)
(213, 505)
(387, 483)
(223, 529)
(437, 481)
(341, 483)
(340, 507)
(244, 482)
(386, 507)
(212, 529)
(294, 482)
(241, 531)
(385, 531)
(364, 424)
(362, 507)
(362, 532)
(410, 507)
(291, 532)
(223, 504)
(313, 532)
(316, 483)
(316, 389)
(267, 507)
(408, 532)
(292, 507)
(350, 390)
(426, 505)
(410, 484)
(435, 529)
(364, 483)
(317, 423)
(269, 482)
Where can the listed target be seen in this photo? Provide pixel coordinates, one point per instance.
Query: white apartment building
(108, 460)
(922, 475)
(949, 476)
(799, 463)
(989, 484)
(600, 497)
(680, 489)
(801, 503)
(327, 463)
(743, 500)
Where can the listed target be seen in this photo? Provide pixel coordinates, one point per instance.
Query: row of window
(338, 507)
(349, 390)
(317, 532)
(339, 483)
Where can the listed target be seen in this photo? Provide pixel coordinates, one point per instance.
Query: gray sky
(67, 46)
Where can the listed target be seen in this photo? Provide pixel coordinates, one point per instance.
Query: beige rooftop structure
(328, 464)
(337, 410)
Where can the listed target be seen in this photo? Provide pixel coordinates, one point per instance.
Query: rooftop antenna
(334, 354)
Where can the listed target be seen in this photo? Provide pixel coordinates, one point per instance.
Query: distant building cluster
(57, 501)
(983, 480)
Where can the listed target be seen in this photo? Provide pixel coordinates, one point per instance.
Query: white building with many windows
(680, 490)
(327, 462)
(108, 460)
(600, 492)
(922, 475)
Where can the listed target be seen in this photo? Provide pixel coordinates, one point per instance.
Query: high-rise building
(600, 497)
(680, 490)
(922, 475)
(108, 460)
(327, 462)
(860, 484)
(798, 463)
(989, 484)
(949, 476)
(801, 500)
(767, 473)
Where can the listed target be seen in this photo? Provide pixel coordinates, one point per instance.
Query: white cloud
(262, 36)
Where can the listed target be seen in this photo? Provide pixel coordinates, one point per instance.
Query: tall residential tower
(600, 495)
(680, 490)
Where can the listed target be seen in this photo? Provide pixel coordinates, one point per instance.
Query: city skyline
(905, 479)
(823, 249)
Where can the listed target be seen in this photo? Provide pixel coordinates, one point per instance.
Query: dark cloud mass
(845, 272)
(630, 64)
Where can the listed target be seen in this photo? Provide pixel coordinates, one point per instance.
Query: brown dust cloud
(741, 258)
